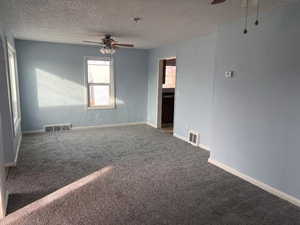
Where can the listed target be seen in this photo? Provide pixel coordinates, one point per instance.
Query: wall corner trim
(257, 183)
(151, 124)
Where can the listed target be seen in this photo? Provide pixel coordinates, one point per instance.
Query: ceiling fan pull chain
(257, 14)
(246, 17)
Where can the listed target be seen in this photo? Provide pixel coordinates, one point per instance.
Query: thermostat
(229, 74)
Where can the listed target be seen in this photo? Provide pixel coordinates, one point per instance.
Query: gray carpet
(155, 179)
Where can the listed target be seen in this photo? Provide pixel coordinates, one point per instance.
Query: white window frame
(16, 121)
(111, 84)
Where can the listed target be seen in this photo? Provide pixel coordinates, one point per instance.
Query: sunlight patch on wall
(119, 102)
(53, 90)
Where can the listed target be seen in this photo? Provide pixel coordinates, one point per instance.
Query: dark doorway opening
(168, 94)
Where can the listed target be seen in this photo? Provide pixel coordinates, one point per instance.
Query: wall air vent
(57, 127)
(193, 138)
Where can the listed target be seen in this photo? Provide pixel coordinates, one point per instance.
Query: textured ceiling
(163, 21)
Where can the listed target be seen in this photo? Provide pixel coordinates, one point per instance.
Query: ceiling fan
(109, 45)
(245, 4)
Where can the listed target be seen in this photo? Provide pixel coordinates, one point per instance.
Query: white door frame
(3, 192)
(159, 90)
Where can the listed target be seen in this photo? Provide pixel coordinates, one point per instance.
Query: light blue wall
(256, 123)
(10, 139)
(194, 85)
(53, 90)
(252, 121)
(153, 68)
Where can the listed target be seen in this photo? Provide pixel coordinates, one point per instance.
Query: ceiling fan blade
(123, 45)
(214, 2)
(94, 42)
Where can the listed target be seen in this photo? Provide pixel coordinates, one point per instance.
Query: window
(14, 88)
(100, 83)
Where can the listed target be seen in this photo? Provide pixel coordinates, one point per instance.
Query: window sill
(101, 107)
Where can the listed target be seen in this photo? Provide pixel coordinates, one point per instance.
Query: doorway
(167, 86)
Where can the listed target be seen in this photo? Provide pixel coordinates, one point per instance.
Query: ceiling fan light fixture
(136, 19)
(108, 45)
(107, 51)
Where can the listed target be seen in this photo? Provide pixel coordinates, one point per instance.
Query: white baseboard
(180, 137)
(109, 125)
(204, 147)
(89, 127)
(33, 131)
(257, 183)
(14, 163)
(151, 124)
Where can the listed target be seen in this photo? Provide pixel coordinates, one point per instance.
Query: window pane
(13, 86)
(98, 71)
(99, 95)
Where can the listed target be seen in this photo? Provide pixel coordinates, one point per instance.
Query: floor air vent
(57, 127)
(193, 138)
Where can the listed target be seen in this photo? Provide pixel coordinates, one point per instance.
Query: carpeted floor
(153, 179)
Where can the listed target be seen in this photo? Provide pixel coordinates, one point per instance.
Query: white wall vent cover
(193, 138)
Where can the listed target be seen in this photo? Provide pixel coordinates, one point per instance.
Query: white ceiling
(163, 21)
